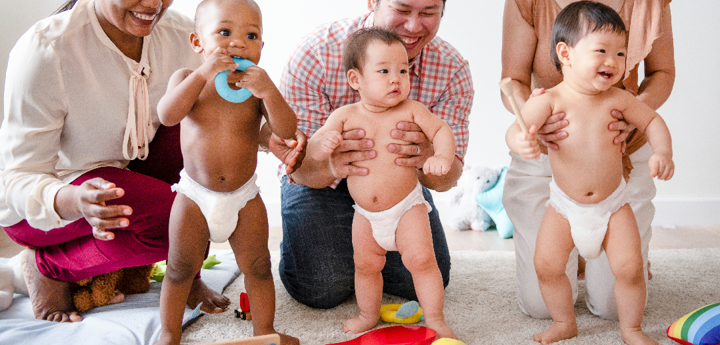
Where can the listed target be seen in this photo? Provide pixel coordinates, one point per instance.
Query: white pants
(527, 190)
(384, 223)
(221, 210)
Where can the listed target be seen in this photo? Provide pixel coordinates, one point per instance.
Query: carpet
(481, 306)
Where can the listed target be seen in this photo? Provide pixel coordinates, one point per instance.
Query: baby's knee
(260, 267)
(419, 260)
(549, 270)
(181, 270)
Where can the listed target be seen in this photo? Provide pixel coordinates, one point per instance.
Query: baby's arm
(280, 117)
(440, 135)
(185, 86)
(657, 133)
(535, 111)
(322, 144)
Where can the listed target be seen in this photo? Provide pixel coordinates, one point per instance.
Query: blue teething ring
(222, 87)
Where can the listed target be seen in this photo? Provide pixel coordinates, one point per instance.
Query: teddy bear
(467, 213)
(110, 288)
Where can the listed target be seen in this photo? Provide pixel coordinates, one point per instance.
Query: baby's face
(598, 60)
(235, 25)
(384, 80)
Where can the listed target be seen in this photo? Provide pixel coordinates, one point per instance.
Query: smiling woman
(81, 138)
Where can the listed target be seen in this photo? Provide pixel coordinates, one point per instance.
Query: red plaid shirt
(314, 82)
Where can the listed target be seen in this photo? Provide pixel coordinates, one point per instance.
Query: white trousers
(527, 190)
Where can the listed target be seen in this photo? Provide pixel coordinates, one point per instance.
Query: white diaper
(220, 209)
(588, 222)
(384, 223)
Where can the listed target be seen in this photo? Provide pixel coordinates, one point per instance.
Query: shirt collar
(102, 36)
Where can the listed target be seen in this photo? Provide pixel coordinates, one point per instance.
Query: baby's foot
(442, 329)
(636, 336)
(359, 324)
(556, 332)
(50, 298)
(212, 302)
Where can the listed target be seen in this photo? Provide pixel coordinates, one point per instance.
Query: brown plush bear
(111, 288)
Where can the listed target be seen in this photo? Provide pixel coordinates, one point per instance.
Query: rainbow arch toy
(700, 327)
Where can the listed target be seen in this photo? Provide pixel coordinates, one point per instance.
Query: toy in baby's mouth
(224, 90)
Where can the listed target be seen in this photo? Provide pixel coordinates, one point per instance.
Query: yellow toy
(447, 341)
(397, 313)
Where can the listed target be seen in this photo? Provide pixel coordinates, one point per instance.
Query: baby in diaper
(588, 206)
(217, 197)
(391, 212)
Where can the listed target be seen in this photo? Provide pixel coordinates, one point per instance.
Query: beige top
(74, 102)
(642, 19)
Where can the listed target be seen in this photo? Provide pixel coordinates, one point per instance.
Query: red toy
(394, 335)
(244, 312)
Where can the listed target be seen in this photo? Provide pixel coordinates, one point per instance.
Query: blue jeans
(316, 264)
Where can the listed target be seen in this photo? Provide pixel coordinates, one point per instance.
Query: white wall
(474, 27)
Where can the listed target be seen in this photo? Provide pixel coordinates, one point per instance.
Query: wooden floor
(697, 236)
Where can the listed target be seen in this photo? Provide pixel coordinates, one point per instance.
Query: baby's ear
(195, 43)
(353, 77)
(563, 52)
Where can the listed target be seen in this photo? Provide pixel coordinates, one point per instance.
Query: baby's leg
(414, 242)
(188, 241)
(369, 261)
(553, 246)
(249, 242)
(623, 248)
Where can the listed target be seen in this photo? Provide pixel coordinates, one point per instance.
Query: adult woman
(80, 98)
(527, 25)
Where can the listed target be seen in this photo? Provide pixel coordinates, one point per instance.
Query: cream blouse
(74, 102)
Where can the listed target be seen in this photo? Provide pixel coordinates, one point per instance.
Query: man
(316, 266)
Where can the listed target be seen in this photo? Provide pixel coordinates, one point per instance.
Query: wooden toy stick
(507, 88)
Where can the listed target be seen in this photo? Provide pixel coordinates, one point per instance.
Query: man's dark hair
(579, 19)
(355, 51)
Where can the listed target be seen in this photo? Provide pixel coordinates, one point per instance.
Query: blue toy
(491, 201)
(222, 87)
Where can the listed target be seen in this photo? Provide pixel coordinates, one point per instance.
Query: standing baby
(217, 196)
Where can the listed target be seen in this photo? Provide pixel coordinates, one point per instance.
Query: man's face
(415, 21)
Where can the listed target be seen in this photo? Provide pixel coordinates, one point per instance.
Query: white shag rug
(481, 306)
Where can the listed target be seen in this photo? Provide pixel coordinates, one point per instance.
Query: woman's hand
(89, 201)
(551, 131)
(417, 151)
(353, 148)
(623, 127)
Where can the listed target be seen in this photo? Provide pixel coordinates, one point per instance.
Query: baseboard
(686, 211)
(668, 211)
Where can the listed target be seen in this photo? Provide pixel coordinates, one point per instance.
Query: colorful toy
(491, 202)
(244, 312)
(700, 327)
(158, 272)
(224, 90)
(467, 214)
(394, 335)
(407, 313)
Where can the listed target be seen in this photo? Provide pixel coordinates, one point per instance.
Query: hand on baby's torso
(588, 166)
(387, 183)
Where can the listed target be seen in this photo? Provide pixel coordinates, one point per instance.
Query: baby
(588, 206)
(391, 212)
(217, 196)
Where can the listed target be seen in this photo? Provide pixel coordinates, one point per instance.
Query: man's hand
(290, 152)
(353, 148)
(417, 151)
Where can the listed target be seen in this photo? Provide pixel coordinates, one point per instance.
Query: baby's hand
(527, 144)
(257, 81)
(326, 145)
(436, 166)
(661, 166)
(217, 62)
